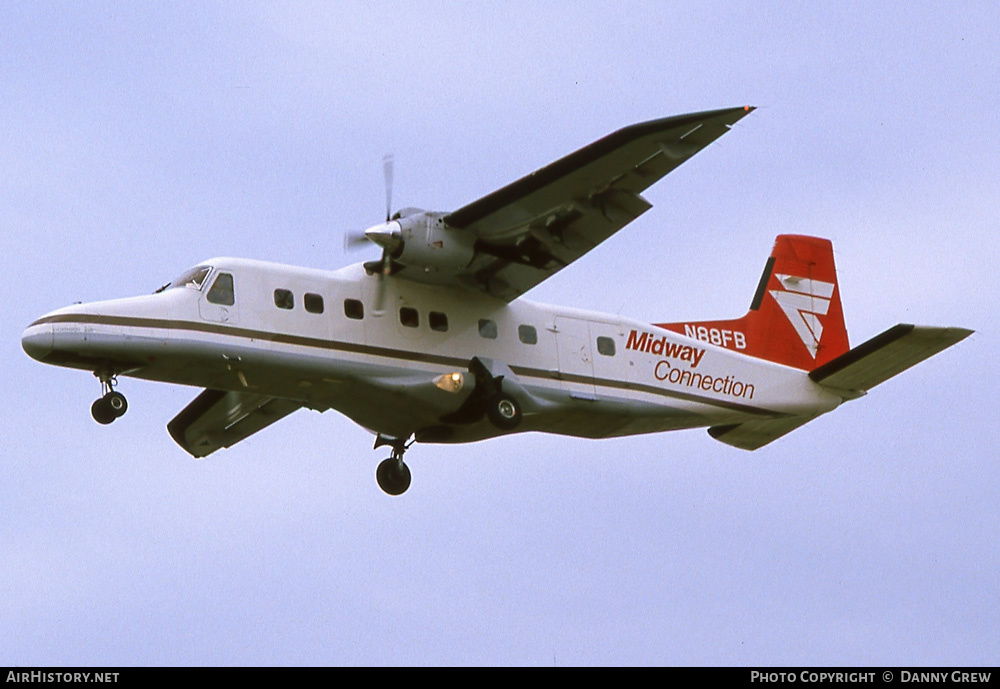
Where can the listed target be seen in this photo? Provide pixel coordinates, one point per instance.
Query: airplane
(434, 342)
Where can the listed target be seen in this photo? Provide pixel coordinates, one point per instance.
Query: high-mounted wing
(217, 419)
(530, 229)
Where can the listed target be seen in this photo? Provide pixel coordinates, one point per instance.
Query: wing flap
(217, 419)
(885, 356)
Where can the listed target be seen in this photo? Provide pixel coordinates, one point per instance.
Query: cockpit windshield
(193, 278)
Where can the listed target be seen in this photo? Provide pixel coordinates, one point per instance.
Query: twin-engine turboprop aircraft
(434, 343)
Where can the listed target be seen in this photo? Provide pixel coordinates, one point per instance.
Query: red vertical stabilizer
(796, 317)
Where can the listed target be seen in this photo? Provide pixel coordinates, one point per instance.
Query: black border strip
(765, 277)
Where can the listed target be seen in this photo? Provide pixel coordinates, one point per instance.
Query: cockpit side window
(193, 278)
(222, 290)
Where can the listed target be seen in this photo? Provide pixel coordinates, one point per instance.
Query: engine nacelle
(424, 241)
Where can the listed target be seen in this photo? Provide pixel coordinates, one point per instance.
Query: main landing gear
(488, 397)
(393, 475)
(111, 404)
(503, 411)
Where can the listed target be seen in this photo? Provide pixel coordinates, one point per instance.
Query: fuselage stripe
(399, 354)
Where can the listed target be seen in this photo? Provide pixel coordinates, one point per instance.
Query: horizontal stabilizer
(217, 419)
(885, 355)
(850, 374)
(751, 435)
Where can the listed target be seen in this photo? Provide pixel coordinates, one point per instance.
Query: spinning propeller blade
(357, 240)
(386, 268)
(387, 164)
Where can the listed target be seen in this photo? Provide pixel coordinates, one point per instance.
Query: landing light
(450, 382)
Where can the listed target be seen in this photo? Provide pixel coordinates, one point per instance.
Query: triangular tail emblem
(803, 302)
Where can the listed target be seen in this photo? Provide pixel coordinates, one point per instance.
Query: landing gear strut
(393, 475)
(111, 404)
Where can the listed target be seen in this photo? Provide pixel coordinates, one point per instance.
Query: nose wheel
(111, 404)
(392, 475)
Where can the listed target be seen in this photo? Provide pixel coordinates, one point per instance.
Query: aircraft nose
(37, 340)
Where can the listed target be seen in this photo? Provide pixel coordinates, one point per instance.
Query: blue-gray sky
(139, 139)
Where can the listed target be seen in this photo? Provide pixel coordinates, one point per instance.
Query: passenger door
(608, 341)
(576, 359)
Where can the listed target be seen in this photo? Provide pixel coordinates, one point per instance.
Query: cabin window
(527, 334)
(487, 329)
(222, 290)
(438, 321)
(409, 317)
(605, 346)
(354, 309)
(284, 299)
(313, 303)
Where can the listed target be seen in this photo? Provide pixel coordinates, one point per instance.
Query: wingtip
(738, 113)
(961, 333)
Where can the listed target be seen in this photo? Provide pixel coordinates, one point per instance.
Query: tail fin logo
(803, 301)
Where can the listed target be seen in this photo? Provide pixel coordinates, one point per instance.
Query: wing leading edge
(532, 228)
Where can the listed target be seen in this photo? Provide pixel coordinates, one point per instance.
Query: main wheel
(504, 412)
(102, 411)
(393, 476)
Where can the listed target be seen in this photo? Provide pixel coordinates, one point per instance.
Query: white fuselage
(374, 351)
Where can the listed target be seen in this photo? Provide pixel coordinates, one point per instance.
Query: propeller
(354, 241)
(387, 164)
(382, 236)
(357, 240)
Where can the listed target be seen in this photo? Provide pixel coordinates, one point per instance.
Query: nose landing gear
(111, 404)
(393, 475)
